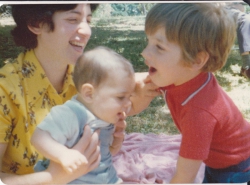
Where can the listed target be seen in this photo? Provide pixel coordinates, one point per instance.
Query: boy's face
(112, 98)
(70, 35)
(164, 60)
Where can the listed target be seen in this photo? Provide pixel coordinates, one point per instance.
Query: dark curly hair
(33, 15)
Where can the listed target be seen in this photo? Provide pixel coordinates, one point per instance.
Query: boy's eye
(159, 47)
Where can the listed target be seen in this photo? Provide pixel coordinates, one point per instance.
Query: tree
(130, 9)
(5, 10)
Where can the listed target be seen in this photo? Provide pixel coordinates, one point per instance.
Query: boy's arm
(144, 93)
(186, 170)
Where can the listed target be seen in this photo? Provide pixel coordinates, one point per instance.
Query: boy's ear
(201, 59)
(87, 92)
(35, 29)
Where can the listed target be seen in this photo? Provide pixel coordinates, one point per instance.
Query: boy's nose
(128, 107)
(144, 53)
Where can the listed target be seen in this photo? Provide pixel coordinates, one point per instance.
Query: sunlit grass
(126, 36)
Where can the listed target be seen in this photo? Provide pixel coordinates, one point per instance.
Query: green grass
(7, 46)
(125, 35)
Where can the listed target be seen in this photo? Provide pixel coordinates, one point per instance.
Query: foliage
(247, 7)
(130, 9)
(122, 9)
(5, 10)
(125, 9)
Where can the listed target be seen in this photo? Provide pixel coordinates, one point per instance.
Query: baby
(105, 82)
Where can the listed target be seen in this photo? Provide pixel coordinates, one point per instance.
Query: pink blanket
(149, 159)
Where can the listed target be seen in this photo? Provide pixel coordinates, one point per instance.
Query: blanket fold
(149, 159)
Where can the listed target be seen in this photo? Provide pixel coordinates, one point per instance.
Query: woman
(40, 78)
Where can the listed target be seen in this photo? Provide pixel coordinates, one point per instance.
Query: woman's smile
(78, 46)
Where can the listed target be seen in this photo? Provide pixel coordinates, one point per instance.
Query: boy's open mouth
(152, 70)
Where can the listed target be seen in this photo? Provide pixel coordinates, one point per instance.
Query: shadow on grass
(128, 43)
(8, 49)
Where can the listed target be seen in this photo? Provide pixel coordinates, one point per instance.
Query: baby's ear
(87, 91)
(201, 59)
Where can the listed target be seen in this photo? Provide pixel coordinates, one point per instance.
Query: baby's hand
(72, 160)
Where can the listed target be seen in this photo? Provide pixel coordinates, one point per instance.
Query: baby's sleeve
(62, 124)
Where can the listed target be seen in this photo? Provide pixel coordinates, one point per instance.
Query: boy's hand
(186, 170)
(144, 86)
(145, 91)
(72, 160)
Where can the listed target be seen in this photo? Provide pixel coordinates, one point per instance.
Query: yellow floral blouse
(26, 96)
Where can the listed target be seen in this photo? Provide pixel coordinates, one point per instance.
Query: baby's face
(112, 98)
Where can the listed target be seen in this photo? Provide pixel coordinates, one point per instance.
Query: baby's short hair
(96, 65)
(196, 27)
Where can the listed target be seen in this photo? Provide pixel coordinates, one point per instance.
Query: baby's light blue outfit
(65, 124)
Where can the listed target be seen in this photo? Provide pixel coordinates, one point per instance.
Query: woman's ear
(87, 92)
(201, 59)
(35, 29)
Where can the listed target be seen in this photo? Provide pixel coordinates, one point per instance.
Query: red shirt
(212, 127)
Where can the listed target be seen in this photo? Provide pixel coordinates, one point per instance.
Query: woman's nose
(84, 29)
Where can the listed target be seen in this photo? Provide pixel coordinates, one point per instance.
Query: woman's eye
(72, 20)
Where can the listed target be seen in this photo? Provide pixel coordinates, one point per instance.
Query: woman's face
(70, 36)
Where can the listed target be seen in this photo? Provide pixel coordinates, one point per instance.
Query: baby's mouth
(122, 115)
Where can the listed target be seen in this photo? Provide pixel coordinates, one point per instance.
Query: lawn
(126, 36)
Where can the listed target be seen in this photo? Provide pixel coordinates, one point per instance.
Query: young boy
(186, 43)
(105, 82)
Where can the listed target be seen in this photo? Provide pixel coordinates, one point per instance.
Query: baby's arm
(186, 170)
(70, 159)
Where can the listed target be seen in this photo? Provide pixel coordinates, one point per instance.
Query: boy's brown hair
(196, 27)
(97, 65)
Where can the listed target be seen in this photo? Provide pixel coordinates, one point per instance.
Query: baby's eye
(121, 97)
